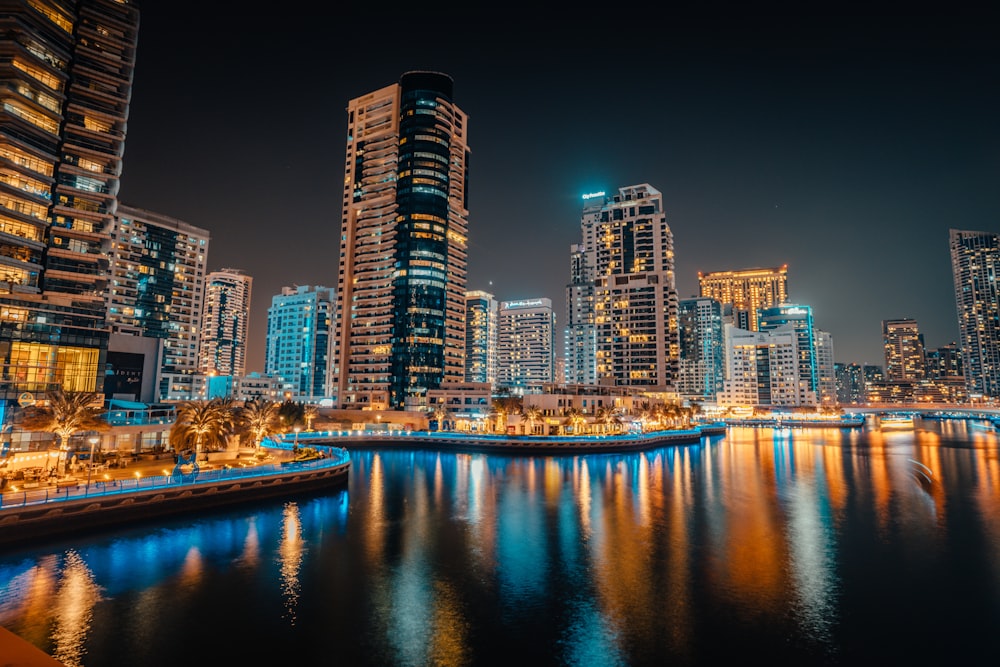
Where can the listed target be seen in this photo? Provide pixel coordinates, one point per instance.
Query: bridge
(958, 410)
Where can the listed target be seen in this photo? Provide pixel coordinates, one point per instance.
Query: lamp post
(295, 447)
(90, 464)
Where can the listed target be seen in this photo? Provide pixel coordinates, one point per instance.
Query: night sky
(843, 146)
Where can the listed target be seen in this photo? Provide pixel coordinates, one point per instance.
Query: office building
(299, 326)
(635, 294)
(158, 267)
(225, 320)
(65, 81)
(904, 349)
(400, 316)
(975, 263)
(745, 292)
(481, 312)
(702, 355)
(526, 344)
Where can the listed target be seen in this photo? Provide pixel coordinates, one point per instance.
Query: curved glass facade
(401, 288)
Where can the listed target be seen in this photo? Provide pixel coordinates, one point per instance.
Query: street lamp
(295, 447)
(90, 467)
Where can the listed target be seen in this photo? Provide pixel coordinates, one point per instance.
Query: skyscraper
(904, 349)
(745, 292)
(224, 323)
(400, 316)
(299, 323)
(635, 294)
(65, 82)
(580, 335)
(526, 345)
(975, 263)
(702, 355)
(157, 266)
(799, 318)
(481, 312)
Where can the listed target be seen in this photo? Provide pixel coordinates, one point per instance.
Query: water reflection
(812, 546)
(73, 611)
(290, 557)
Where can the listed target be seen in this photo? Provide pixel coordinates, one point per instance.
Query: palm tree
(260, 418)
(575, 418)
(310, 412)
(533, 414)
(502, 407)
(64, 414)
(441, 414)
(607, 416)
(203, 424)
(291, 413)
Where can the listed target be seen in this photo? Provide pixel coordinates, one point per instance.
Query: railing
(102, 488)
(320, 439)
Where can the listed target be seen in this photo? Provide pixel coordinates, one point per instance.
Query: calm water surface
(795, 546)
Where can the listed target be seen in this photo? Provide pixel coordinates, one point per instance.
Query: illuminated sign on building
(591, 195)
(522, 304)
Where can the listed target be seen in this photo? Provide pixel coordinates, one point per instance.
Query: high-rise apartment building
(526, 349)
(65, 82)
(400, 317)
(157, 267)
(580, 334)
(745, 292)
(826, 373)
(762, 368)
(702, 355)
(224, 323)
(800, 319)
(904, 349)
(944, 362)
(299, 324)
(975, 263)
(850, 383)
(481, 313)
(635, 293)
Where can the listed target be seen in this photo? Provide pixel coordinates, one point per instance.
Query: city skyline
(844, 147)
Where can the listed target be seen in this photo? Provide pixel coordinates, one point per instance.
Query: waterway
(789, 546)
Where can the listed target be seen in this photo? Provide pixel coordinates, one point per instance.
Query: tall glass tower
(65, 82)
(975, 265)
(298, 341)
(400, 316)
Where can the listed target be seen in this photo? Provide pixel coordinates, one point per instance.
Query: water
(795, 546)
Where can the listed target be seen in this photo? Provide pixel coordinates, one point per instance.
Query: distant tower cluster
(400, 314)
(225, 322)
